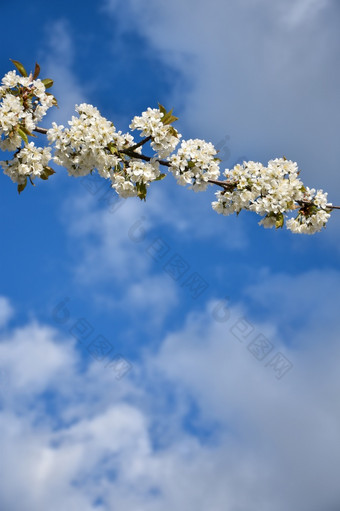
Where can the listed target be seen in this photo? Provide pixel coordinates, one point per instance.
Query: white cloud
(6, 311)
(109, 239)
(303, 11)
(138, 443)
(120, 241)
(283, 431)
(32, 358)
(154, 295)
(111, 247)
(317, 293)
(57, 63)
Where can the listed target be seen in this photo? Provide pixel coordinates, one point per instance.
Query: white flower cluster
(195, 163)
(261, 189)
(23, 103)
(30, 161)
(273, 191)
(313, 216)
(85, 145)
(154, 123)
(135, 177)
(92, 142)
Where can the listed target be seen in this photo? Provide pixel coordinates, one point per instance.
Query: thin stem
(330, 206)
(143, 157)
(40, 130)
(223, 184)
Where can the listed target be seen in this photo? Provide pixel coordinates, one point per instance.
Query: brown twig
(40, 130)
(143, 157)
(223, 184)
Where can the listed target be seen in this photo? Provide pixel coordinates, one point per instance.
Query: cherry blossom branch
(131, 151)
(92, 142)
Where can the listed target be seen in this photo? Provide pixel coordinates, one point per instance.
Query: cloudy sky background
(178, 410)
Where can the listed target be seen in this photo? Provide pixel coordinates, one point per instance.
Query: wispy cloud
(58, 59)
(113, 242)
(130, 244)
(131, 442)
(303, 11)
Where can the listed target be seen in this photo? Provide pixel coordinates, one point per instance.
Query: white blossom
(84, 146)
(136, 173)
(271, 192)
(164, 137)
(29, 161)
(23, 103)
(124, 187)
(268, 221)
(194, 164)
(308, 224)
(92, 142)
(11, 112)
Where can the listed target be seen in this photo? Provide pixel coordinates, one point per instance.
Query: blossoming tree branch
(92, 143)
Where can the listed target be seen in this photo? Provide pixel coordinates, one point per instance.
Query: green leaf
(19, 67)
(23, 135)
(173, 119)
(13, 92)
(47, 82)
(25, 130)
(313, 209)
(22, 186)
(161, 109)
(167, 118)
(112, 148)
(160, 177)
(141, 190)
(36, 71)
(279, 221)
(48, 171)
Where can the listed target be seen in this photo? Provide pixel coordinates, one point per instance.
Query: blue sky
(179, 409)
